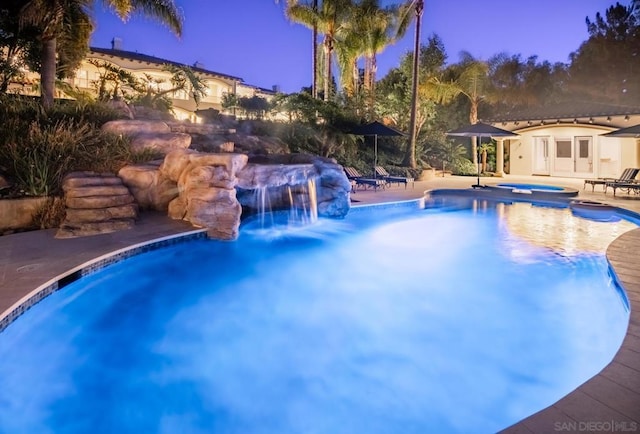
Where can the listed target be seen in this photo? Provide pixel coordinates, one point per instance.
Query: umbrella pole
(375, 155)
(478, 154)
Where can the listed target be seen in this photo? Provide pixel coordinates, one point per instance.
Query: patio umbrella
(375, 129)
(633, 131)
(480, 130)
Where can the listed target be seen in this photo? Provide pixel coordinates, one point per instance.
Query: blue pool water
(532, 187)
(464, 318)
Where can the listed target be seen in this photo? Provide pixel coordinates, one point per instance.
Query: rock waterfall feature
(210, 190)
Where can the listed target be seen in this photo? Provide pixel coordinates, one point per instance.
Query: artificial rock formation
(206, 190)
(201, 186)
(332, 186)
(95, 204)
(151, 189)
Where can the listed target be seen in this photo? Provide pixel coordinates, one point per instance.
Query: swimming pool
(463, 318)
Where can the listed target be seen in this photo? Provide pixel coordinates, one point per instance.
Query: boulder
(98, 201)
(148, 186)
(133, 127)
(177, 209)
(214, 176)
(162, 143)
(275, 175)
(129, 211)
(221, 218)
(175, 162)
(121, 107)
(85, 179)
(96, 190)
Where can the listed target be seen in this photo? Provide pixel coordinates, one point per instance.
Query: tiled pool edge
(60, 281)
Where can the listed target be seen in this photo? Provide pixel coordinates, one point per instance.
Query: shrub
(463, 167)
(38, 148)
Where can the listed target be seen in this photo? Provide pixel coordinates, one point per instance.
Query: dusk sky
(253, 40)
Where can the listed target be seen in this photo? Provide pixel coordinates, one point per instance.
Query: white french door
(541, 163)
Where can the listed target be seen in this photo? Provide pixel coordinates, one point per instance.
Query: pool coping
(609, 401)
(89, 267)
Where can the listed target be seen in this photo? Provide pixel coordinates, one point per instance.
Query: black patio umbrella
(633, 131)
(480, 130)
(375, 129)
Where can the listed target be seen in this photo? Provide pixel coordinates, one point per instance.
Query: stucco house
(141, 65)
(566, 140)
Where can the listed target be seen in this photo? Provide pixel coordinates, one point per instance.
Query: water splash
(282, 210)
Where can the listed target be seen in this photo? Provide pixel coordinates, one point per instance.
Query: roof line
(152, 59)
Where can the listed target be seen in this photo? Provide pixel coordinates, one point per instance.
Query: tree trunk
(473, 118)
(371, 85)
(410, 155)
(314, 53)
(328, 49)
(48, 72)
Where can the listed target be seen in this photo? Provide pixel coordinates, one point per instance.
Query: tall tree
(394, 90)
(518, 83)
(378, 28)
(65, 27)
(470, 78)
(417, 6)
(15, 44)
(329, 18)
(607, 66)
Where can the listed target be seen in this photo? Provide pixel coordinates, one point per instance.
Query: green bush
(26, 109)
(463, 167)
(38, 148)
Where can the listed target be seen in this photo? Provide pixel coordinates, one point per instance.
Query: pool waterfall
(298, 203)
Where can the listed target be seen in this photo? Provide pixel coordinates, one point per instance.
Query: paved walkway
(609, 402)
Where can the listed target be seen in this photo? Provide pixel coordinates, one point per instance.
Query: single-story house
(566, 140)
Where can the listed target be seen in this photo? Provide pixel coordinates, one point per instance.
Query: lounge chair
(627, 186)
(628, 175)
(354, 175)
(382, 172)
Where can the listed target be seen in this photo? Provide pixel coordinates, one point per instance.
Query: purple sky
(253, 40)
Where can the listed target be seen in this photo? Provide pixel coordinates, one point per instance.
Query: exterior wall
(608, 156)
(630, 152)
(184, 106)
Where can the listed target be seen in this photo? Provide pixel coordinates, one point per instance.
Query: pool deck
(608, 402)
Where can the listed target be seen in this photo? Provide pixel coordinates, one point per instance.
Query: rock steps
(96, 204)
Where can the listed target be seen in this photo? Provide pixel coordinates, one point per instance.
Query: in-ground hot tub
(540, 191)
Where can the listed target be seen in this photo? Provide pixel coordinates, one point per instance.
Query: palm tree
(471, 80)
(329, 19)
(381, 28)
(65, 27)
(415, 6)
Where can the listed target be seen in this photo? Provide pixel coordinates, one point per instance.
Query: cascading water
(284, 207)
(303, 202)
